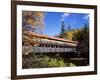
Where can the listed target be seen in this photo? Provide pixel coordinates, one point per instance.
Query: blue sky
(53, 21)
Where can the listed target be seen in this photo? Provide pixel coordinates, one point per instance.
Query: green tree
(62, 33)
(82, 36)
(66, 33)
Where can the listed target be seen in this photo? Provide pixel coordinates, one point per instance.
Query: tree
(28, 41)
(33, 21)
(62, 33)
(69, 35)
(82, 36)
(68, 32)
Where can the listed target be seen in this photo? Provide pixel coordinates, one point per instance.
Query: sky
(53, 21)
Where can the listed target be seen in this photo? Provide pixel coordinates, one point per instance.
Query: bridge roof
(49, 37)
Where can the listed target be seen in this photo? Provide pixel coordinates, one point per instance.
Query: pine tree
(62, 30)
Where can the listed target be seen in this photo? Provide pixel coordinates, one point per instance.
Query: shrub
(43, 61)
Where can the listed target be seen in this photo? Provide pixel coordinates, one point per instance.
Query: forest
(33, 21)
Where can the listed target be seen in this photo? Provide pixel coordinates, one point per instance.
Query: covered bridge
(47, 44)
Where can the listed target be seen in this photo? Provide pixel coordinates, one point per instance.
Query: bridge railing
(38, 49)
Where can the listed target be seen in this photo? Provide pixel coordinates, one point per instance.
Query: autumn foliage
(32, 21)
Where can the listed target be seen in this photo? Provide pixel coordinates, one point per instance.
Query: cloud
(64, 16)
(86, 17)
